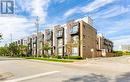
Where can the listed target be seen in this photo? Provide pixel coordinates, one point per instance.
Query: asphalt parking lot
(91, 70)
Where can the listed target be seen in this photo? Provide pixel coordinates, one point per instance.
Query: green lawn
(51, 59)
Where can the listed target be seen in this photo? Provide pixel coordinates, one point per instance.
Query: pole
(11, 37)
(37, 31)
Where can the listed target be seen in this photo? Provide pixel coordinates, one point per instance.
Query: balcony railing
(59, 34)
(74, 30)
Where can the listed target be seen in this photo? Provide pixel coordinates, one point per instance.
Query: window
(75, 51)
(75, 39)
(60, 42)
(48, 35)
(60, 51)
(59, 33)
(74, 29)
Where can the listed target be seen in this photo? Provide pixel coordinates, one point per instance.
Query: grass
(51, 59)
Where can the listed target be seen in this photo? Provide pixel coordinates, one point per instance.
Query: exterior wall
(104, 44)
(49, 39)
(59, 40)
(88, 40)
(79, 34)
(29, 43)
(34, 45)
(40, 43)
(73, 33)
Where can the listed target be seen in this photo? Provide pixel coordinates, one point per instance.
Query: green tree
(14, 49)
(23, 50)
(46, 47)
(4, 51)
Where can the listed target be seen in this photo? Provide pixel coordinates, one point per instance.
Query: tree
(14, 49)
(69, 46)
(46, 47)
(74, 42)
(4, 51)
(23, 50)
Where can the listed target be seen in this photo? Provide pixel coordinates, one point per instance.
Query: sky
(110, 17)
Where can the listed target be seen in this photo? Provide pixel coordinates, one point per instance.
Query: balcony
(48, 38)
(59, 34)
(34, 41)
(74, 30)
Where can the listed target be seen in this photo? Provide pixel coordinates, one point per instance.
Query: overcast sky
(111, 17)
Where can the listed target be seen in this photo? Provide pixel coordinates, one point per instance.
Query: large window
(60, 42)
(48, 35)
(75, 39)
(59, 33)
(60, 50)
(75, 51)
(74, 29)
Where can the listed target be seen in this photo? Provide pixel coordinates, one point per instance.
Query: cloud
(34, 7)
(120, 40)
(116, 31)
(113, 11)
(95, 5)
(120, 25)
(39, 8)
(88, 8)
(60, 1)
(19, 27)
(71, 11)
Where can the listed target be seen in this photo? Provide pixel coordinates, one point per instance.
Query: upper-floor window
(48, 34)
(74, 29)
(59, 33)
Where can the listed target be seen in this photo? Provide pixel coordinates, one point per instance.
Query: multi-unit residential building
(34, 44)
(83, 38)
(76, 38)
(103, 44)
(48, 39)
(29, 45)
(59, 40)
(40, 43)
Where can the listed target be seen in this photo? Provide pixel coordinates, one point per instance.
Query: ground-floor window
(60, 51)
(75, 51)
(49, 52)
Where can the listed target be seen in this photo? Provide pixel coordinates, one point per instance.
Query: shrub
(126, 53)
(72, 57)
(57, 56)
(118, 53)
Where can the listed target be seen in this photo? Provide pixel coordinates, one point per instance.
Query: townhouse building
(75, 38)
(48, 40)
(29, 45)
(82, 36)
(40, 40)
(104, 45)
(59, 40)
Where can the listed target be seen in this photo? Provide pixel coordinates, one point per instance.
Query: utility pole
(11, 37)
(37, 31)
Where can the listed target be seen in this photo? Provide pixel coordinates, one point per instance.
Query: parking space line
(32, 76)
